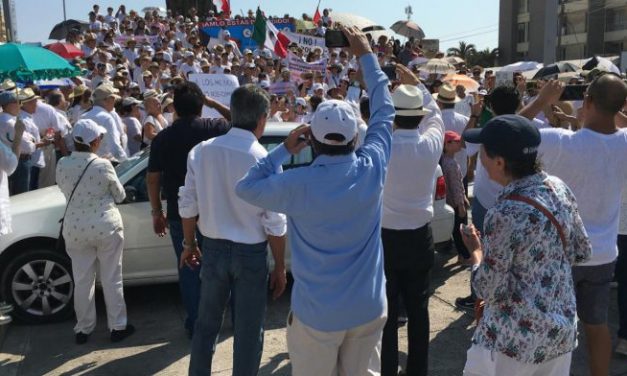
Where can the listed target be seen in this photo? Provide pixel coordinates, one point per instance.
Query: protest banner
(140, 39)
(216, 86)
(504, 78)
(297, 67)
(430, 47)
(241, 30)
(281, 88)
(307, 42)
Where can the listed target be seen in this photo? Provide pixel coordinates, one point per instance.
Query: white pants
(353, 352)
(106, 254)
(47, 174)
(483, 362)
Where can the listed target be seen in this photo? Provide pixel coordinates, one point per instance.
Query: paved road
(161, 347)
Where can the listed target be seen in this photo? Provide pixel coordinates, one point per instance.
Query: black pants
(457, 235)
(621, 278)
(409, 257)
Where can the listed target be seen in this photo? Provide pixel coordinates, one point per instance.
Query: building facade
(8, 24)
(553, 30)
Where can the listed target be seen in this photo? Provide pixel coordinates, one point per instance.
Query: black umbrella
(555, 69)
(60, 30)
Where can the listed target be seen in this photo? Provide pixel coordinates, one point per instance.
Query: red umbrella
(65, 50)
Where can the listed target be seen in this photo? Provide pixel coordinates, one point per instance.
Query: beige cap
(105, 91)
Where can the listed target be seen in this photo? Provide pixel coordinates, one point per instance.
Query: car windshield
(131, 162)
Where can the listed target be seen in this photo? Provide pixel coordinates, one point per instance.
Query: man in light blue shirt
(334, 225)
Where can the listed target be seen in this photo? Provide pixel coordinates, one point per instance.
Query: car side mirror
(131, 194)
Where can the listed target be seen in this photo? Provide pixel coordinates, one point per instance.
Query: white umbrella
(408, 29)
(455, 60)
(417, 61)
(438, 66)
(521, 66)
(606, 64)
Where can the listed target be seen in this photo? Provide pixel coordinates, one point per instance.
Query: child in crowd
(455, 194)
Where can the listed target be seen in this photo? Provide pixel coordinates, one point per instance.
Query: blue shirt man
(333, 208)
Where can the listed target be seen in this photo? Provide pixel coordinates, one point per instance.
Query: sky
(448, 20)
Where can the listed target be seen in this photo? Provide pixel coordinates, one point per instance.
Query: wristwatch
(192, 245)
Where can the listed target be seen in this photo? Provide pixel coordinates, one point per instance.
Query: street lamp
(408, 12)
(64, 15)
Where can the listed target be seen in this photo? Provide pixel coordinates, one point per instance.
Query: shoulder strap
(545, 211)
(76, 186)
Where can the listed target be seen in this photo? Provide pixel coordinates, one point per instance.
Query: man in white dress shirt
(104, 98)
(28, 101)
(406, 224)
(46, 120)
(235, 236)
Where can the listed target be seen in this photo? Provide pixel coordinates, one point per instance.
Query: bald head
(608, 93)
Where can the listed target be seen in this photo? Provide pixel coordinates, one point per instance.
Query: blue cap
(7, 97)
(509, 136)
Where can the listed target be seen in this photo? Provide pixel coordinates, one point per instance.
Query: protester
(104, 98)
(621, 277)
(533, 235)
(30, 180)
(333, 329)
(154, 121)
(167, 167)
(590, 161)
(93, 231)
(129, 110)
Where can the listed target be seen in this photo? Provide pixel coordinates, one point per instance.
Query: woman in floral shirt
(533, 236)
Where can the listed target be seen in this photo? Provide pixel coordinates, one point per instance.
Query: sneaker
(621, 347)
(467, 303)
(5, 308)
(81, 338)
(5, 319)
(118, 335)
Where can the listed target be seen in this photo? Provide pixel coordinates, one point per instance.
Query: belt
(25, 157)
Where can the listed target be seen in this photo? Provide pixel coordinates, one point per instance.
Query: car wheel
(39, 285)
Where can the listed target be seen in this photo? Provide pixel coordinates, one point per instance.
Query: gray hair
(248, 104)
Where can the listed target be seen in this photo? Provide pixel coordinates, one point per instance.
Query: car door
(146, 256)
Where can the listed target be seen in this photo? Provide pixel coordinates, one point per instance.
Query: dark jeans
(621, 278)
(478, 217)
(243, 269)
(19, 181)
(189, 279)
(34, 179)
(457, 236)
(409, 257)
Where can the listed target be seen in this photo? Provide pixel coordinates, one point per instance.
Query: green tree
(485, 58)
(464, 50)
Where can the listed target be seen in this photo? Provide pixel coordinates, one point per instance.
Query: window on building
(573, 51)
(574, 23)
(523, 6)
(523, 32)
(613, 48)
(616, 19)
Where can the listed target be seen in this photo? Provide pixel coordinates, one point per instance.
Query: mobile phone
(390, 71)
(465, 229)
(573, 92)
(335, 39)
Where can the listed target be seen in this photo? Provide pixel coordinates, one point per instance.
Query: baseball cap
(247, 52)
(151, 94)
(129, 101)
(509, 136)
(451, 136)
(104, 91)
(317, 86)
(334, 117)
(86, 131)
(301, 101)
(7, 97)
(267, 54)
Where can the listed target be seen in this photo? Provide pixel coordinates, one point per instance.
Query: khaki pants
(106, 255)
(47, 174)
(353, 352)
(483, 362)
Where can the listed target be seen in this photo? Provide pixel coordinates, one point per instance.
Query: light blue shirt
(334, 219)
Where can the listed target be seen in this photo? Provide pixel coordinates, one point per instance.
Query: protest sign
(241, 30)
(281, 88)
(430, 47)
(504, 78)
(297, 67)
(140, 39)
(216, 86)
(307, 42)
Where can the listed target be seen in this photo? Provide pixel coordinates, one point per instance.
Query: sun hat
(105, 91)
(85, 131)
(26, 95)
(408, 101)
(446, 94)
(334, 117)
(151, 94)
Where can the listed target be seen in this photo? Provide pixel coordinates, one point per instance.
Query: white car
(37, 280)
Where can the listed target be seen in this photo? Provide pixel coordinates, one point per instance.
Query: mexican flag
(223, 5)
(267, 35)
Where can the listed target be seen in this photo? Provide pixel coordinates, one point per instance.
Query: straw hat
(408, 101)
(447, 94)
(26, 95)
(78, 91)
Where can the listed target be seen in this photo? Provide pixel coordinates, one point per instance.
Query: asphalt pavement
(161, 347)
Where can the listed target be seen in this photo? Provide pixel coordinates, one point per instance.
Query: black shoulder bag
(60, 240)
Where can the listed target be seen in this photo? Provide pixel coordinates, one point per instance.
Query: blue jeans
(34, 179)
(242, 269)
(19, 181)
(189, 279)
(621, 278)
(478, 214)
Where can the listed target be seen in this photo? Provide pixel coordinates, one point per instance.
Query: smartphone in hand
(335, 39)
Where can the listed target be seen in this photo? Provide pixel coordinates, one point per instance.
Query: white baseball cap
(317, 86)
(86, 131)
(334, 117)
(301, 101)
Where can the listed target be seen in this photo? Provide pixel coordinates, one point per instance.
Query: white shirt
(121, 130)
(37, 157)
(456, 122)
(111, 145)
(622, 230)
(463, 107)
(410, 181)
(45, 117)
(7, 134)
(91, 213)
(8, 164)
(133, 128)
(186, 68)
(593, 166)
(155, 123)
(213, 169)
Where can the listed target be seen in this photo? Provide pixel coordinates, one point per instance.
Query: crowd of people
(542, 244)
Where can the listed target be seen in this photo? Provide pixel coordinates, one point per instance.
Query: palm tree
(485, 58)
(465, 50)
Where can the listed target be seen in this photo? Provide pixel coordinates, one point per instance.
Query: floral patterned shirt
(525, 278)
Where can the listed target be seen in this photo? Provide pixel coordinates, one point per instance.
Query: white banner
(307, 42)
(297, 66)
(504, 78)
(281, 88)
(140, 39)
(216, 86)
